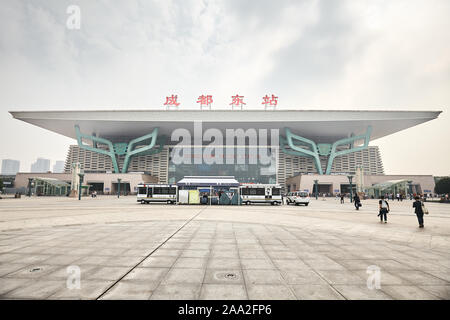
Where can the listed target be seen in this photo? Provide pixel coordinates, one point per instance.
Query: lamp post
(410, 189)
(118, 187)
(81, 175)
(350, 178)
(316, 187)
(30, 183)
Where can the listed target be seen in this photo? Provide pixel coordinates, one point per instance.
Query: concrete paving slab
(290, 264)
(8, 268)
(386, 277)
(302, 277)
(324, 264)
(270, 292)
(199, 263)
(158, 262)
(217, 263)
(182, 276)
(408, 293)
(107, 273)
(442, 292)
(35, 290)
(7, 285)
(358, 292)
(89, 290)
(316, 292)
(177, 292)
(252, 254)
(420, 278)
(129, 290)
(147, 274)
(263, 277)
(229, 254)
(188, 253)
(223, 292)
(257, 264)
(341, 277)
(34, 271)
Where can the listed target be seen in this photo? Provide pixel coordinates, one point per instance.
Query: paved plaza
(125, 250)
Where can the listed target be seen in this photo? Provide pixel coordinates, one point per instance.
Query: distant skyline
(40, 165)
(392, 55)
(12, 166)
(58, 166)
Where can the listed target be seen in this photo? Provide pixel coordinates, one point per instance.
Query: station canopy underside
(322, 126)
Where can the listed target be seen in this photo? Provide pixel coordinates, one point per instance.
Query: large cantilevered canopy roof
(322, 126)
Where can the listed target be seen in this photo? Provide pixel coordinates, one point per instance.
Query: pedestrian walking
(342, 198)
(419, 210)
(357, 201)
(384, 209)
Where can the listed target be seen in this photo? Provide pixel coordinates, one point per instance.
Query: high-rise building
(41, 165)
(10, 167)
(58, 167)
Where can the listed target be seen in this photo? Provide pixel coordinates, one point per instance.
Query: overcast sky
(312, 54)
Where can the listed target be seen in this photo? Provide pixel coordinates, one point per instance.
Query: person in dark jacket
(357, 201)
(384, 209)
(417, 205)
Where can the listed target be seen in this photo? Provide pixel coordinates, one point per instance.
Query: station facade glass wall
(250, 171)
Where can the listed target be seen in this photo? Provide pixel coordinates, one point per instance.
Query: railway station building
(287, 147)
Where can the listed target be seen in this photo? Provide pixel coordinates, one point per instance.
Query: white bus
(167, 193)
(260, 193)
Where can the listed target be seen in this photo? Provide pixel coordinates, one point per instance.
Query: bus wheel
(169, 202)
(142, 201)
(247, 203)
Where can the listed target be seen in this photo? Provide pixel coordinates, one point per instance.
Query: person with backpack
(419, 210)
(384, 209)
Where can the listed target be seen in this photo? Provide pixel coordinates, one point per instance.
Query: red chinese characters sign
(237, 100)
(172, 101)
(271, 101)
(205, 100)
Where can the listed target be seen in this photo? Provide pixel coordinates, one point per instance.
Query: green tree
(442, 186)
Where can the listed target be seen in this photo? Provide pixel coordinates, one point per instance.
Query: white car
(297, 198)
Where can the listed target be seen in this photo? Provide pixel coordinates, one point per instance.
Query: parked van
(297, 198)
